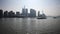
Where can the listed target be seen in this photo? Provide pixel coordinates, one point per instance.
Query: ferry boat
(41, 17)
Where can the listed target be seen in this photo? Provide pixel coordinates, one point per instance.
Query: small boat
(54, 17)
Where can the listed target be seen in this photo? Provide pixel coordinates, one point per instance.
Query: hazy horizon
(50, 7)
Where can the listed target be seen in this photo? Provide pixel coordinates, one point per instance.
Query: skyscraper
(1, 13)
(32, 13)
(6, 14)
(38, 13)
(17, 14)
(11, 14)
(25, 12)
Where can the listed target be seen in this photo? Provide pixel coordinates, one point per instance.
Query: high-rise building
(25, 12)
(11, 14)
(6, 14)
(32, 13)
(1, 13)
(17, 14)
(38, 13)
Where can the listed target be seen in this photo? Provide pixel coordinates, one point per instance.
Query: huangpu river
(29, 26)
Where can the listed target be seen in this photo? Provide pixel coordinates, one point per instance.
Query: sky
(49, 7)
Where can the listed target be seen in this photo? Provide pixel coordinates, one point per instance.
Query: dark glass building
(25, 12)
(6, 14)
(32, 13)
(17, 14)
(38, 13)
(11, 14)
(1, 13)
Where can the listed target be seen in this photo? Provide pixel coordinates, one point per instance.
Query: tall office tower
(32, 13)
(1, 13)
(11, 14)
(38, 13)
(6, 14)
(17, 14)
(25, 12)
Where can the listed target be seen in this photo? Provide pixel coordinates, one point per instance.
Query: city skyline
(50, 7)
(12, 14)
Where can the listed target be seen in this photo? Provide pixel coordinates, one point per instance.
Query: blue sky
(50, 7)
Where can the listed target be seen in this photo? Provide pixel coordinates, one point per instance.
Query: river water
(29, 26)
